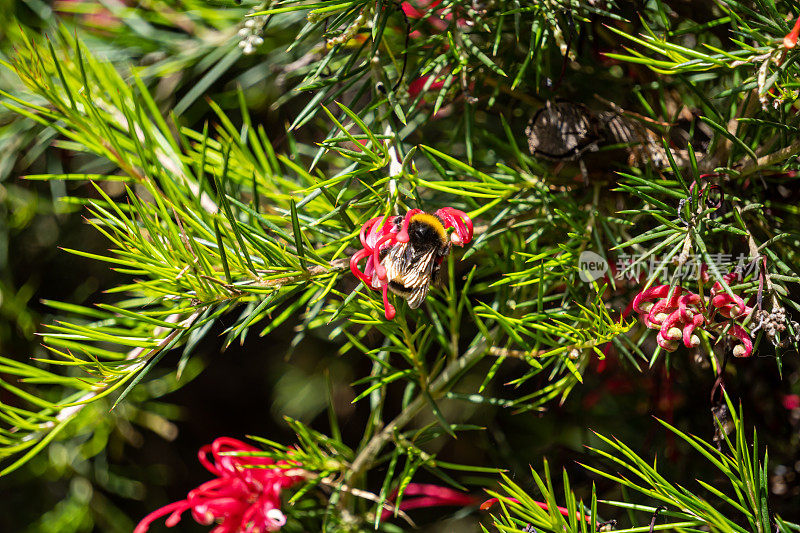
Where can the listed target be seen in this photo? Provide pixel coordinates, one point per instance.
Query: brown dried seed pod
(562, 131)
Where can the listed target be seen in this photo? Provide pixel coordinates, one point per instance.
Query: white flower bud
(670, 346)
(276, 516)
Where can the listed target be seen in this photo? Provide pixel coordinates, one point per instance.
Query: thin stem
(768, 160)
(337, 265)
(437, 388)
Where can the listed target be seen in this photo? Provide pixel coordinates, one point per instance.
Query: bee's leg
(437, 275)
(584, 171)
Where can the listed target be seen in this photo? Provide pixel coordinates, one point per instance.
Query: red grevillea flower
(244, 497)
(420, 8)
(418, 85)
(93, 14)
(676, 313)
(379, 237)
(790, 40)
(428, 496)
(791, 401)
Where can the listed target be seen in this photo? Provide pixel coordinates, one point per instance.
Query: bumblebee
(411, 267)
(405, 254)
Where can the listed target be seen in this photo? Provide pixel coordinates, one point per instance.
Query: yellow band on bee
(432, 221)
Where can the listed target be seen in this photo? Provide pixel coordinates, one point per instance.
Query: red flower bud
(647, 295)
(746, 347)
(689, 340)
(790, 40)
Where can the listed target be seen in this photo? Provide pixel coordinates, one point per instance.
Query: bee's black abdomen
(399, 288)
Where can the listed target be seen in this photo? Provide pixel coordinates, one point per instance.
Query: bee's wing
(395, 260)
(410, 275)
(417, 296)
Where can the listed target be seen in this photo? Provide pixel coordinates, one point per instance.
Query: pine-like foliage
(227, 156)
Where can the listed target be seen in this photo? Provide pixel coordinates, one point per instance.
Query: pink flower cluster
(676, 313)
(376, 236)
(245, 496)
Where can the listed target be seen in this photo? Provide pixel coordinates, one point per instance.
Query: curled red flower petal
(428, 495)
(729, 306)
(686, 303)
(651, 325)
(367, 228)
(673, 321)
(746, 347)
(663, 308)
(459, 221)
(689, 340)
(665, 305)
(647, 295)
(357, 257)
